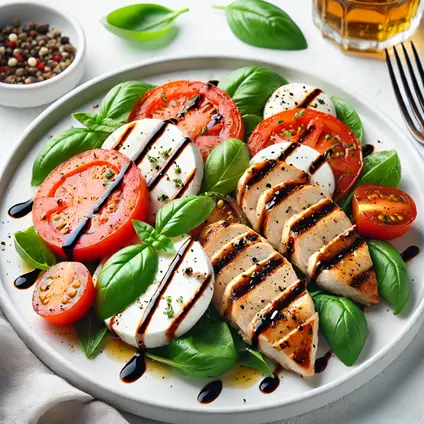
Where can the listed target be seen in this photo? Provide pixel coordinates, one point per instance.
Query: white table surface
(395, 395)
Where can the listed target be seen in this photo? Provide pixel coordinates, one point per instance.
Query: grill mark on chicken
(278, 305)
(231, 252)
(255, 277)
(308, 221)
(362, 278)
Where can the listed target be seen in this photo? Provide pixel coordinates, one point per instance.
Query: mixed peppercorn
(33, 52)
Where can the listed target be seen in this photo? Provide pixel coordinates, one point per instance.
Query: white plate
(173, 398)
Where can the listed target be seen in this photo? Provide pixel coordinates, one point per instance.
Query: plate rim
(72, 374)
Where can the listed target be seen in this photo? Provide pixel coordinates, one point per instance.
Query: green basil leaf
(92, 333)
(394, 284)
(120, 100)
(250, 87)
(150, 236)
(63, 147)
(379, 168)
(206, 351)
(97, 123)
(261, 24)
(250, 123)
(250, 357)
(347, 114)
(343, 324)
(225, 165)
(124, 277)
(32, 249)
(182, 215)
(141, 22)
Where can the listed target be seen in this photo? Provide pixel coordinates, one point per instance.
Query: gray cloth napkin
(32, 394)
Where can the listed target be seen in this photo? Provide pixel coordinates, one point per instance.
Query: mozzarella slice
(180, 302)
(302, 157)
(171, 165)
(294, 95)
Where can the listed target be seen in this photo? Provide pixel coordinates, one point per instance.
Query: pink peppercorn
(11, 44)
(20, 58)
(40, 66)
(57, 57)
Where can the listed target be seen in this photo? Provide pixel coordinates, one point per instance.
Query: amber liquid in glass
(376, 20)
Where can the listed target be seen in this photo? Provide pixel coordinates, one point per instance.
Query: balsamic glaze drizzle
(309, 98)
(191, 104)
(305, 133)
(159, 130)
(269, 384)
(212, 83)
(316, 164)
(25, 281)
(410, 253)
(291, 148)
(321, 363)
(210, 392)
(155, 300)
(21, 209)
(217, 117)
(367, 150)
(133, 369)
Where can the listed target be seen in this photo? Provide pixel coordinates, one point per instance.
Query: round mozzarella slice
(294, 95)
(170, 163)
(182, 291)
(302, 157)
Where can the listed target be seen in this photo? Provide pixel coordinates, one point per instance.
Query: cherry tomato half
(319, 130)
(64, 293)
(69, 193)
(204, 112)
(382, 212)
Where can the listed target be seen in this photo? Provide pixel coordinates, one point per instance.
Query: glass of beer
(367, 25)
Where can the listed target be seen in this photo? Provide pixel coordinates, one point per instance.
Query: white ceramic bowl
(30, 95)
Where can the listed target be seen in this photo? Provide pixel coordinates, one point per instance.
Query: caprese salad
(210, 223)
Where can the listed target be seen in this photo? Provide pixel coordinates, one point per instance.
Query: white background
(396, 395)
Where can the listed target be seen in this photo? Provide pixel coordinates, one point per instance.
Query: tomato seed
(76, 284)
(65, 300)
(220, 204)
(45, 300)
(72, 293)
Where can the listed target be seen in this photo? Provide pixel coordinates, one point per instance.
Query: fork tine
(405, 113)
(417, 88)
(418, 62)
(408, 92)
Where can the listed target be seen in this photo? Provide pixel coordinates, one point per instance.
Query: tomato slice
(68, 194)
(64, 293)
(204, 112)
(320, 131)
(382, 212)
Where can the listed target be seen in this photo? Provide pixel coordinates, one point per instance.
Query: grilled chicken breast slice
(216, 235)
(260, 177)
(286, 330)
(308, 231)
(281, 202)
(234, 258)
(250, 291)
(344, 267)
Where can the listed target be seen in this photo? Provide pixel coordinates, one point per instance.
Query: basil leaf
(120, 100)
(206, 351)
(92, 334)
(250, 87)
(225, 165)
(343, 324)
(97, 123)
(32, 249)
(182, 215)
(261, 24)
(141, 22)
(394, 284)
(250, 123)
(250, 357)
(124, 277)
(63, 147)
(347, 114)
(379, 168)
(150, 236)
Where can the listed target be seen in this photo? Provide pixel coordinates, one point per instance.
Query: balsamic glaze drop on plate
(321, 363)
(269, 384)
(410, 253)
(367, 150)
(210, 392)
(133, 369)
(25, 281)
(21, 209)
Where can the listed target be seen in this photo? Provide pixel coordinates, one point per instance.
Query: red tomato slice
(320, 131)
(382, 212)
(204, 112)
(64, 293)
(69, 193)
